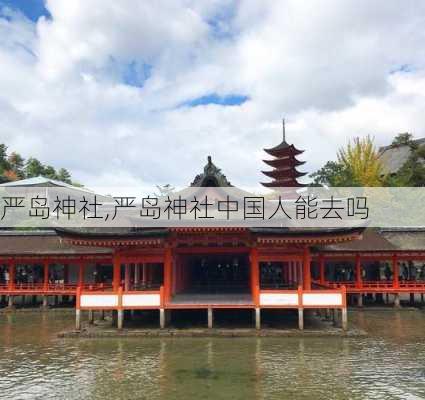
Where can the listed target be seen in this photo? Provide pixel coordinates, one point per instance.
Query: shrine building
(169, 269)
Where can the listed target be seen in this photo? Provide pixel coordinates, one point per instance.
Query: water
(389, 364)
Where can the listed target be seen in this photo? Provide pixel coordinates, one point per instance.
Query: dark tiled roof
(371, 240)
(405, 239)
(292, 231)
(26, 243)
(50, 243)
(113, 232)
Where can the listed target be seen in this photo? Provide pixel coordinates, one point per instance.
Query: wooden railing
(378, 286)
(301, 298)
(42, 288)
(116, 300)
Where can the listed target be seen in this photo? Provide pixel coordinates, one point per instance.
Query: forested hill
(14, 167)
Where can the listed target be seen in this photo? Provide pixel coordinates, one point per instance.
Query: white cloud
(328, 67)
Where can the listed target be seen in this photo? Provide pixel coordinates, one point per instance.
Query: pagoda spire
(284, 162)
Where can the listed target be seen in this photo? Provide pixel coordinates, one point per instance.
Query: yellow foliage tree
(361, 160)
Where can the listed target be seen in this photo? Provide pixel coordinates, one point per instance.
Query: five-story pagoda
(284, 164)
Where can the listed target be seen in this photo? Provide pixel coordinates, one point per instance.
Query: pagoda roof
(284, 162)
(283, 149)
(283, 183)
(276, 173)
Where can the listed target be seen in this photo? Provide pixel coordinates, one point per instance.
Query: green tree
(412, 173)
(403, 139)
(332, 174)
(63, 175)
(4, 164)
(33, 168)
(49, 172)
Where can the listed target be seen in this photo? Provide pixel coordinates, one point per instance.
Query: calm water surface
(390, 363)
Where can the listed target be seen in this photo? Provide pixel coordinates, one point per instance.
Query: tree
(10, 176)
(33, 168)
(49, 172)
(16, 165)
(361, 160)
(4, 164)
(332, 174)
(357, 164)
(412, 173)
(403, 139)
(63, 175)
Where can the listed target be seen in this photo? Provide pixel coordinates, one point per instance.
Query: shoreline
(99, 333)
(8, 310)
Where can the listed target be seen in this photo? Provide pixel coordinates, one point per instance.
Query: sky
(139, 93)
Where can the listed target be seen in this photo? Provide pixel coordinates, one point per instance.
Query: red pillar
(144, 274)
(289, 272)
(137, 274)
(116, 280)
(149, 274)
(255, 276)
(396, 272)
(81, 274)
(178, 276)
(306, 269)
(168, 271)
(295, 273)
(127, 277)
(46, 275)
(322, 277)
(11, 267)
(65, 273)
(359, 282)
(285, 273)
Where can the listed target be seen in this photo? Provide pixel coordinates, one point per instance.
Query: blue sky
(32, 9)
(125, 92)
(214, 98)
(135, 73)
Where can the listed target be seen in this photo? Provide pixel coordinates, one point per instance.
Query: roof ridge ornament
(212, 176)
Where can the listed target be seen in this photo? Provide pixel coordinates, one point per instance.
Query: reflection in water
(387, 364)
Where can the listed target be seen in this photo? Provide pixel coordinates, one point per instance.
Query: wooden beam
(322, 271)
(396, 271)
(307, 269)
(212, 250)
(81, 265)
(116, 280)
(255, 276)
(46, 274)
(168, 270)
(127, 277)
(12, 271)
(358, 274)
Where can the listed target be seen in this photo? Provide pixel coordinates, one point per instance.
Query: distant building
(393, 157)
